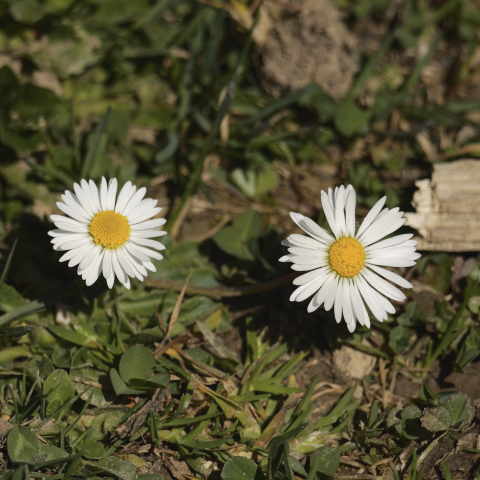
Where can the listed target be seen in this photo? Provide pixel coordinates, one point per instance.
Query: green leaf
(275, 455)
(95, 146)
(436, 419)
(136, 362)
(240, 239)
(350, 119)
(91, 449)
(462, 410)
(160, 380)
(399, 339)
(120, 386)
(241, 468)
(59, 390)
(325, 460)
(22, 445)
(52, 453)
(14, 332)
(9, 86)
(76, 338)
(113, 466)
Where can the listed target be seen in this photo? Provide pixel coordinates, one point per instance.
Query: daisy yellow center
(109, 229)
(347, 257)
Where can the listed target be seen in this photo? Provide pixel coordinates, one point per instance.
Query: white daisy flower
(106, 234)
(345, 270)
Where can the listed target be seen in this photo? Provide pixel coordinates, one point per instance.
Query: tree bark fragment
(448, 208)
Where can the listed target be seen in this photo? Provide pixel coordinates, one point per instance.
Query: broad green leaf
(74, 337)
(245, 180)
(91, 449)
(136, 362)
(113, 466)
(240, 239)
(14, 332)
(52, 453)
(275, 455)
(350, 119)
(241, 468)
(436, 419)
(120, 386)
(9, 86)
(324, 460)
(59, 390)
(462, 410)
(23, 446)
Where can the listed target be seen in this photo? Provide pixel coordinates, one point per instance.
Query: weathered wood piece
(448, 208)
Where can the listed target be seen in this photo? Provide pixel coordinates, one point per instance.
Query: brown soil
(302, 42)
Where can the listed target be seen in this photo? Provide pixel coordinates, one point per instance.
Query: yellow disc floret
(109, 229)
(347, 257)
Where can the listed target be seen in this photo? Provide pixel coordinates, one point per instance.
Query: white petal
(391, 225)
(347, 302)
(321, 295)
(305, 268)
(124, 263)
(147, 251)
(73, 202)
(392, 262)
(358, 307)
(68, 237)
(136, 263)
(331, 294)
(150, 266)
(72, 213)
(104, 195)
(88, 259)
(97, 268)
(148, 243)
(111, 279)
(71, 253)
(389, 242)
(157, 222)
(370, 299)
(69, 224)
(339, 209)
(147, 233)
(393, 277)
(382, 285)
(121, 275)
(145, 216)
(124, 196)
(95, 197)
(303, 241)
(350, 213)
(338, 306)
(305, 291)
(134, 250)
(112, 193)
(327, 209)
(372, 215)
(306, 260)
(79, 256)
(134, 201)
(308, 252)
(107, 267)
(88, 195)
(308, 277)
(72, 244)
(313, 229)
(58, 233)
(82, 198)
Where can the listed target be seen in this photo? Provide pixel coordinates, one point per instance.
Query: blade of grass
(95, 145)
(198, 165)
(7, 264)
